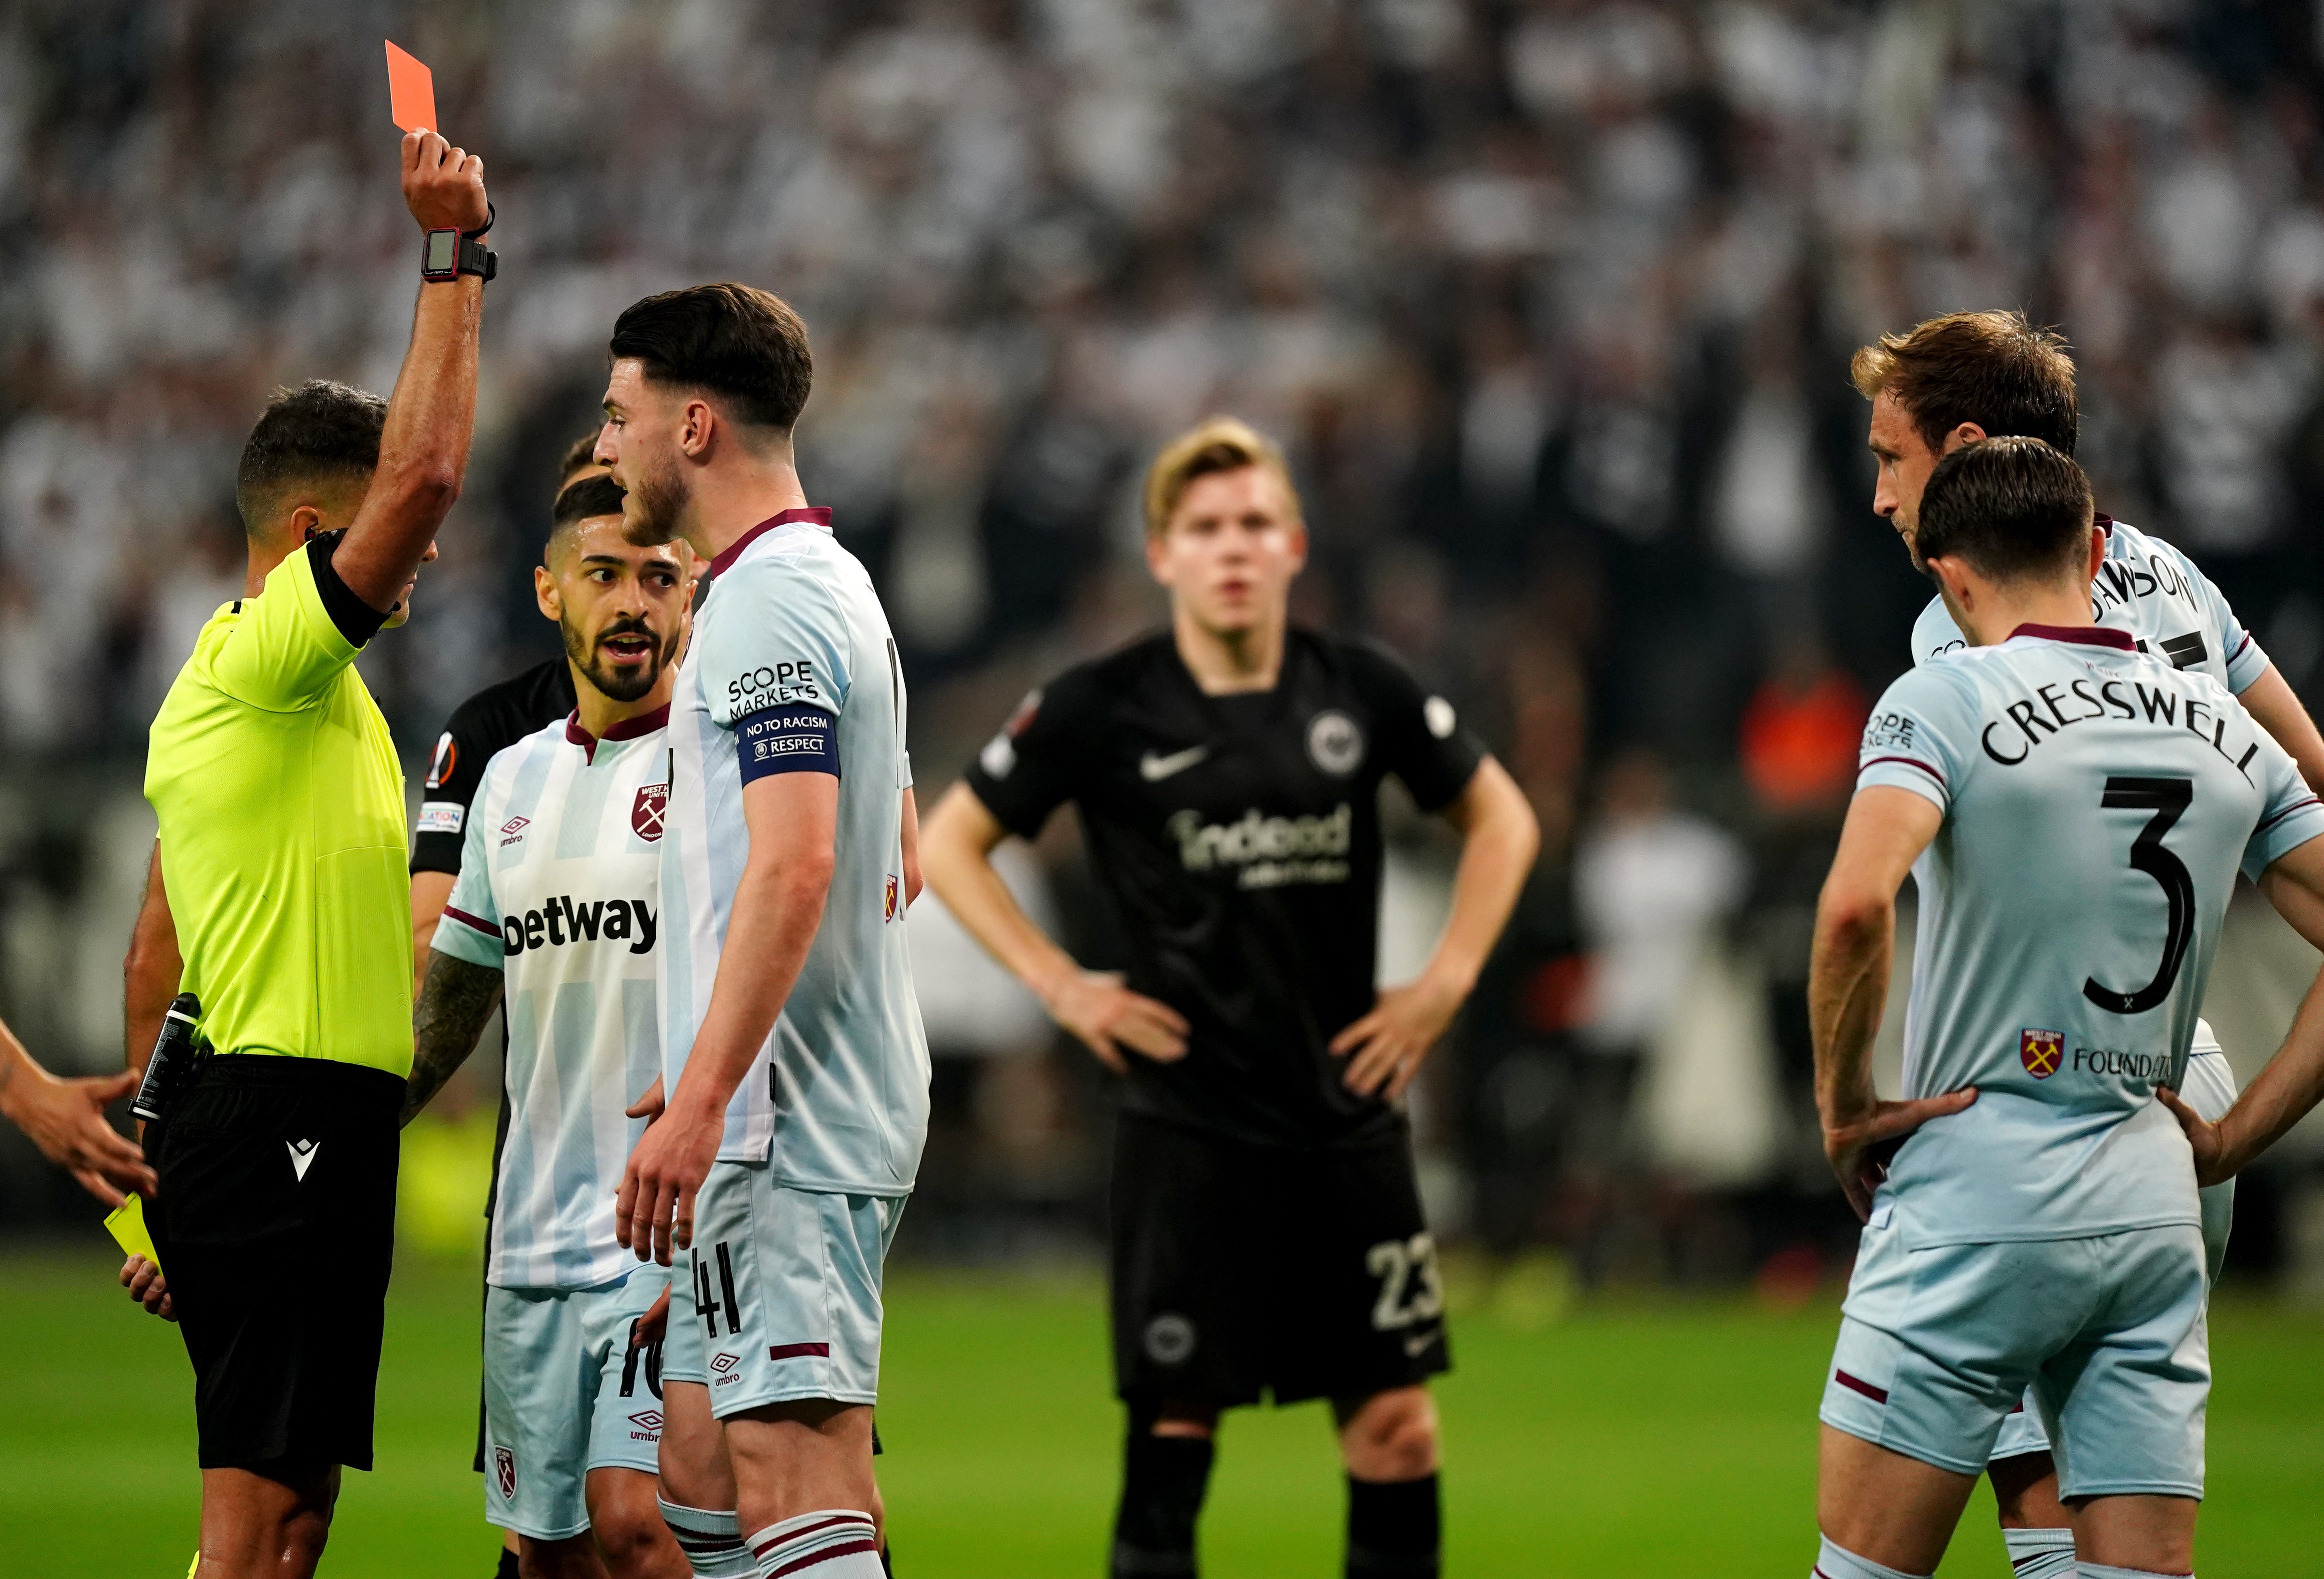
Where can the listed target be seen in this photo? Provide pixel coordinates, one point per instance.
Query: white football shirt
(558, 891)
(792, 668)
(2096, 804)
(2151, 590)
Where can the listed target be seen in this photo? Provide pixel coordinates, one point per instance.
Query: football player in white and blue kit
(557, 916)
(2074, 812)
(1953, 380)
(795, 1065)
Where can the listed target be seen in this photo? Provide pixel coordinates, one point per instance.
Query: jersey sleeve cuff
(792, 738)
(2283, 831)
(1923, 779)
(356, 620)
(469, 937)
(2246, 661)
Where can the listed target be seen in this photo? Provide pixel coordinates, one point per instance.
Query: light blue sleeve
(2292, 815)
(777, 640)
(1916, 736)
(471, 927)
(2239, 655)
(1934, 632)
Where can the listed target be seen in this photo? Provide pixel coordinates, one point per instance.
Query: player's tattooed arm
(455, 1002)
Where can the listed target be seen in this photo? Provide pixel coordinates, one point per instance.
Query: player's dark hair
(1995, 369)
(740, 344)
(320, 431)
(588, 498)
(579, 457)
(2014, 509)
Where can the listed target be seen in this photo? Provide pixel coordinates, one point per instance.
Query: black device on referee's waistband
(172, 1063)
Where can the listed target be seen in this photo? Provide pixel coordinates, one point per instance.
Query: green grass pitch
(1654, 1438)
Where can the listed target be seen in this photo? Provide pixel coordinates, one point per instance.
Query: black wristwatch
(449, 254)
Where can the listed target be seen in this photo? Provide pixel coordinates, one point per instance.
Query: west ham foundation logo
(647, 810)
(2040, 1051)
(505, 1467)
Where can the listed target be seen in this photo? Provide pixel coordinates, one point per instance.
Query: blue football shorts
(566, 1392)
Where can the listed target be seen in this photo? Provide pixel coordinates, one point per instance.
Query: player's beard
(656, 507)
(623, 685)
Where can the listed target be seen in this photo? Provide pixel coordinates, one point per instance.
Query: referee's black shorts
(1242, 1270)
(275, 1223)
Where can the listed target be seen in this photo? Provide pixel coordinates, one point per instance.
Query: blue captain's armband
(787, 739)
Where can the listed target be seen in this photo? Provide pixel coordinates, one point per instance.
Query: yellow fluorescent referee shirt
(282, 838)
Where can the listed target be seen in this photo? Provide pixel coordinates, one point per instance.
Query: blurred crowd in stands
(1550, 300)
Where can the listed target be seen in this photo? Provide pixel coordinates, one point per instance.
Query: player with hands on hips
(1227, 773)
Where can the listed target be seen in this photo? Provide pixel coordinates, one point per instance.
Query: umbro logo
(649, 1418)
(303, 1154)
(725, 1362)
(513, 829)
(1154, 769)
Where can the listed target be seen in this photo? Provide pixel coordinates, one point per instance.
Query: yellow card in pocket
(126, 1224)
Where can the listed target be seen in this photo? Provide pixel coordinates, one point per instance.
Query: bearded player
(1952, 381)
(795, 1065)
(555, 913)
(1267, 1227)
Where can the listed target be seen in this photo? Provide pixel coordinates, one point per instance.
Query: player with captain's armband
(2073, 812)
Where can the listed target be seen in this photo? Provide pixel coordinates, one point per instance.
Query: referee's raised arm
(423, 449)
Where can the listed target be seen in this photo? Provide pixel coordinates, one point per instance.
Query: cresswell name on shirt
(2031, 722)
(559, 922)
(1267, 851)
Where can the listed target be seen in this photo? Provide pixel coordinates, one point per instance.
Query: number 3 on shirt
(2168, 799)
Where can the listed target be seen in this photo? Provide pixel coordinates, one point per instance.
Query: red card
(411, 91)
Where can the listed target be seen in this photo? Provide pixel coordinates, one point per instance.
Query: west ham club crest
(647, 810)
(2040, 1051)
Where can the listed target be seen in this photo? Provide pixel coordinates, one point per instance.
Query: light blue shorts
(2209, 1089)
(780, 1297)
(1937, 1346)
(566, 1394)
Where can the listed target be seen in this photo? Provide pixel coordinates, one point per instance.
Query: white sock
(2040, 1554)
(2102, 1571)
(1838, 1563)
(711, 1540)
(831, 1543)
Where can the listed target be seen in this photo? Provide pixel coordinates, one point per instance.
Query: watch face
(443, 251)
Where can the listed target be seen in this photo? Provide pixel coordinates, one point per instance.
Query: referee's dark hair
(744, 344)
(1995, 369)
(2012, 509)
(319, 433)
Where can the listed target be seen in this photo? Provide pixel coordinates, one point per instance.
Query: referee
(1268, 1235)
(280, 879)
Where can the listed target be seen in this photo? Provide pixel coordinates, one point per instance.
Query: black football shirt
(489, 722)
(1238, 840)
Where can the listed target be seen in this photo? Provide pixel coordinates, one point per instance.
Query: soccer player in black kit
(1267, 1229)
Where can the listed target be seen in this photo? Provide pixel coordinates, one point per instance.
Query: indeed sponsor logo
(560, 921)
(1267, 851)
